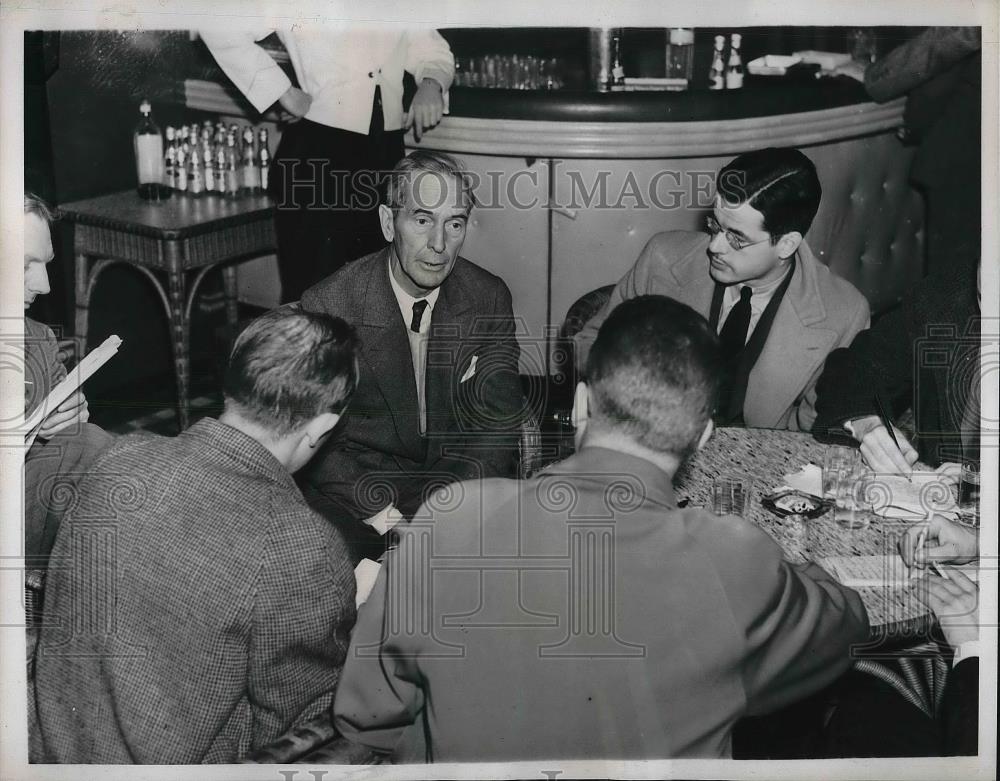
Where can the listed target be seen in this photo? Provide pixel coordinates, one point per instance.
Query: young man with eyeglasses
(778, 311)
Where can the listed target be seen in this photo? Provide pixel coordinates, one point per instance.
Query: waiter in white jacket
(345, 126)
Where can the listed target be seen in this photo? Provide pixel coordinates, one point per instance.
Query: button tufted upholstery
(870, 227)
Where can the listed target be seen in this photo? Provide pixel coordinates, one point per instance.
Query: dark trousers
(326, 183)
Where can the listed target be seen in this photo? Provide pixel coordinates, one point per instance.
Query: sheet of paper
(888, 570)
(365, 575)
(71, 382)
(893, 496)
(868, 571)
(808, 480)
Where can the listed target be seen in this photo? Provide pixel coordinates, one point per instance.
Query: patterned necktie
(733, 335)
(419, 307)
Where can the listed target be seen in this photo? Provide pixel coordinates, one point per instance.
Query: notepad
(888, 570)
(69, 385)
(894, 496)
(885, 571)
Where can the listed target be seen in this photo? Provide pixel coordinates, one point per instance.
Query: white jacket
(338, 67)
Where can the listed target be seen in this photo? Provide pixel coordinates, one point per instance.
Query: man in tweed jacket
(196, 608)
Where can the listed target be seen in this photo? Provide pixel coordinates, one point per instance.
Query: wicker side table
(174, 243)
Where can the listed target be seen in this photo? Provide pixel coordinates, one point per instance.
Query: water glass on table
(968, 494)
(844, 483)
(731, 496)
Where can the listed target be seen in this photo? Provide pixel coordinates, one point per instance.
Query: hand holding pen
(938, 540)
(885, 449)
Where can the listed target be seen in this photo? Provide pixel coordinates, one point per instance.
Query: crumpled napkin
(892, 496)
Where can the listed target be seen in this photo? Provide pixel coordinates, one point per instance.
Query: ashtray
(792, 502)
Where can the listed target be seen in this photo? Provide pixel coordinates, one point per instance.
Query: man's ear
(317, 428)
(706, 434)
(788, 244)
(387, 221)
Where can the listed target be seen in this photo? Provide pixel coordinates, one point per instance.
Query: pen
(888, 425)
(938, 571)
(921, 538)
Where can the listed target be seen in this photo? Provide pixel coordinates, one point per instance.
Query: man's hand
(426, 109)
(295, 103)
(853, 69)
(945, 541)
(877, 447)
(955, 602)
(72, 411)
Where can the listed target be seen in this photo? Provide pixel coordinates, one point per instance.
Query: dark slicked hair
(399, 183)
(35, 205)
(654, 374)
(779, 183)
(289, 366)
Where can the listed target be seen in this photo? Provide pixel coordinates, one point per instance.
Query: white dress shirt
(418, 341)
(338, 66)
(759, 299)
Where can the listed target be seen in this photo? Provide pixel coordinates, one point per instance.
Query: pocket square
(471, 371)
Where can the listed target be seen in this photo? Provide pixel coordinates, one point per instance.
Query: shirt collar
(406, 301)
(761, 293)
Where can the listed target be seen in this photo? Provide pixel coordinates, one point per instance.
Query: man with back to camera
(66, 444)
(218, 616)
(439, 397)
(679, 623)
(778, 311)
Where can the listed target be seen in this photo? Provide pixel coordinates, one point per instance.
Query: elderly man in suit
(439, 398)
(778, 311)
(581, 614)
(196, 607)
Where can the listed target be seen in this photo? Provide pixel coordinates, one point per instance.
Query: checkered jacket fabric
(196, 608)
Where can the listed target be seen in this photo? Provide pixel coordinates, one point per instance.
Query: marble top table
(897, 616)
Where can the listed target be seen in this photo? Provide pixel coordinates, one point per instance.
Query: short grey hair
(399, 181)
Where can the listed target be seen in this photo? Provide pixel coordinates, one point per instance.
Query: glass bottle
(251, 179)
(717, 75)
(170, 159)
(263, 158)
(617, 69)
(734, 70)
(147, 141)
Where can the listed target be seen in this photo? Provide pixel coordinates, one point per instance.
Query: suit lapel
(693, 284)
(448, 352)
(386, 349)
(796, 347)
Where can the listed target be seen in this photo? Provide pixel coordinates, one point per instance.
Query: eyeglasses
(736, 242)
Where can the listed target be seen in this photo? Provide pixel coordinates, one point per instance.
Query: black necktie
(418, 312)
(733, 335)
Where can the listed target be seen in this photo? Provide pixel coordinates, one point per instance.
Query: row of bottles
(196, 160)
(726, 75)
(607, 70)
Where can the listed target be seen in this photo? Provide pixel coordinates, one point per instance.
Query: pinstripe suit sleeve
(303, 615)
